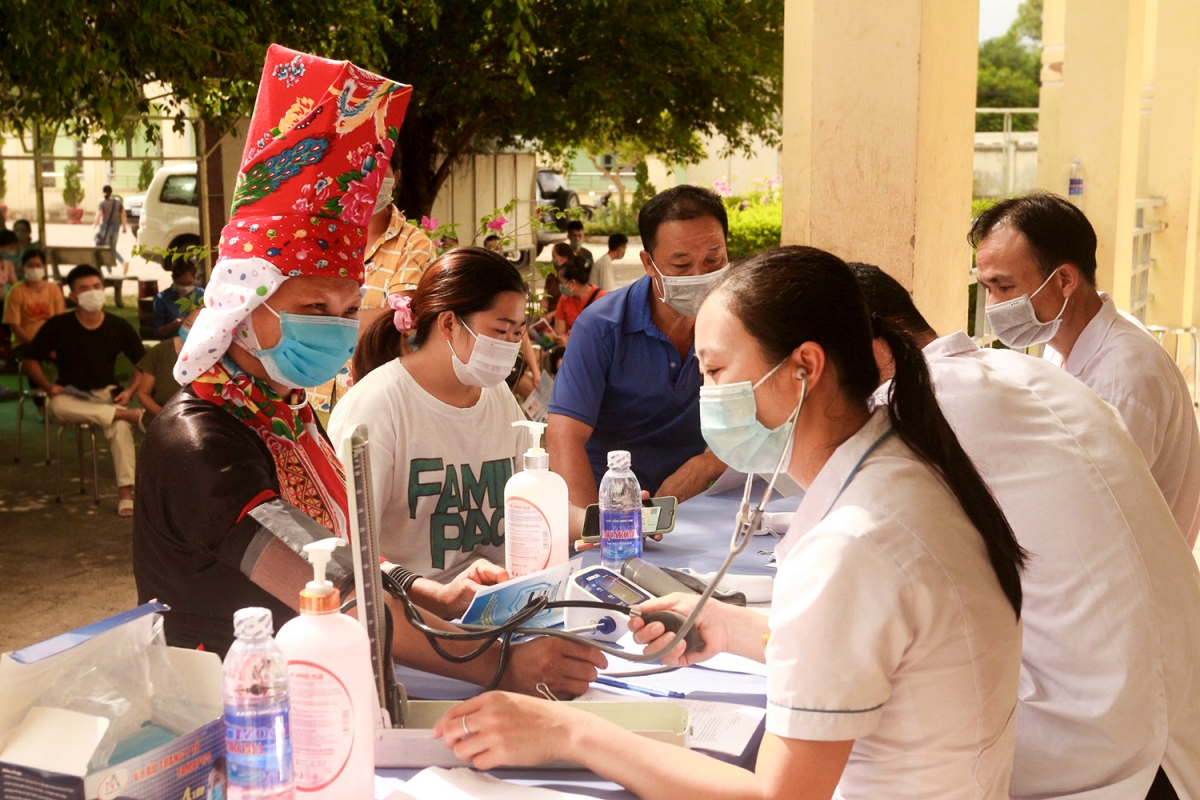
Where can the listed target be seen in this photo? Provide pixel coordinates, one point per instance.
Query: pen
(581, 545)
(603, 681)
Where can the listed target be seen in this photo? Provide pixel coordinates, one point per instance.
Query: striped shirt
(395, 263)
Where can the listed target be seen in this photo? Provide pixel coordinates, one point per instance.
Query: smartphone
(658, 516)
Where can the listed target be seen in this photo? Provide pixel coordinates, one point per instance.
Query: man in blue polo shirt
(630, 380)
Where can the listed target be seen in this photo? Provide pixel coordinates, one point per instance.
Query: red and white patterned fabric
(317, 148)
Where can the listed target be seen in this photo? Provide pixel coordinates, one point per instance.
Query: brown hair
(464, 280)
(563, 250)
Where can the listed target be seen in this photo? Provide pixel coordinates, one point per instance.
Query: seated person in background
(493, 243)
(560, 254)
(575, 239)
(24, 232)
(1037, 261)
(33, 301)
(604, 272)
(8, 260)
(156, 382)
(578, 292)
(630, 380)
(442, 439)
(1112, 595)
(85, 343)
(168, 311)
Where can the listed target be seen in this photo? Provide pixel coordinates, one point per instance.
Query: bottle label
(322, 725)
(527, 540)
(257, 748)
(620, 535)
(1076, 186)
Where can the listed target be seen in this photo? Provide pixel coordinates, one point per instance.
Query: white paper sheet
(717, 727)
(436, 783)
(690, 679)
(56, 740)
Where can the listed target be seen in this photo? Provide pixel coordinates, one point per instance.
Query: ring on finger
(466, 730)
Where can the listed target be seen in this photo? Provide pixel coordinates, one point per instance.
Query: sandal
(125, 508)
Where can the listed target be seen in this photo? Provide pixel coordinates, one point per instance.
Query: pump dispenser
(536, 536)
(319, 596)
(333, 701)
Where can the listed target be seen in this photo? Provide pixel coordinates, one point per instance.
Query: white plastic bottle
(333, 700)
(536, 536)
(1075, 184)
(620, 512)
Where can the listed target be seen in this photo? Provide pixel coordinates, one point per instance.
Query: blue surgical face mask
(216, 793)
(183, 332)
(730, 426)
(311, 349)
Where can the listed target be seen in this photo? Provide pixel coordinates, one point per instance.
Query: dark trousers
(1161, 789)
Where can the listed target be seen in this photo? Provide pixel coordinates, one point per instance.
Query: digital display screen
(618, 589)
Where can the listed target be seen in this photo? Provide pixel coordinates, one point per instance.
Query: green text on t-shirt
(458, 521)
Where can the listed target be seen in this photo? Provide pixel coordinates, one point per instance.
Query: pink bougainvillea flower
(497, 224)
(722, 188)
(429, 223)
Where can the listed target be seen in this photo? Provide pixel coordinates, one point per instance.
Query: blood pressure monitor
(602, 585)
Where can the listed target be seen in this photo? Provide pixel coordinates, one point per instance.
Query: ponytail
(787, 296)
(919, 422)
(379, 345)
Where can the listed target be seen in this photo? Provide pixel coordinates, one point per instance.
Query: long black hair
(792, 295)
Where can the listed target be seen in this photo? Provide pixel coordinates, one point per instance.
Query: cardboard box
(177, 770)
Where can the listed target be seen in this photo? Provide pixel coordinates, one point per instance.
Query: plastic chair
(25, 394)
(80, 428)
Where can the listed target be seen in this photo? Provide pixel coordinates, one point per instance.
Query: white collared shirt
(889, 627)
(1131, 371)
(1111, 647)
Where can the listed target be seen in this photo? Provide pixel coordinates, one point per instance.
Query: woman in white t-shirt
(440, 420)
(893, 644)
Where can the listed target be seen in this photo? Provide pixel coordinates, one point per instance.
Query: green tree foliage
(1010, 70)
(499, 73)
(85, 65)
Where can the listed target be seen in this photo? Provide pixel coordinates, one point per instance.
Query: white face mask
(1016, 324)
(35, 274)
(385, 194)
(91, 301)
(685, 293)
(490, 363)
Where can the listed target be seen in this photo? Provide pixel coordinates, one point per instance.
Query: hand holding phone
(658, 517)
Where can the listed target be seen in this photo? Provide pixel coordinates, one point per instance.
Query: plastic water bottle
(258, 745)
(1075, 184)
(620, 512)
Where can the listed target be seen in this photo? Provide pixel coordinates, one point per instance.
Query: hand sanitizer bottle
(535, 512)
(334, 704)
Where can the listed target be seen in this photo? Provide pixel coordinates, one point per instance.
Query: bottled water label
(257, 748)
(620, 536)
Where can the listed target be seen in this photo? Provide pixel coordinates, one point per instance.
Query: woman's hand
(565, 668)
(450, 600)
(500, 729)
(714, 625)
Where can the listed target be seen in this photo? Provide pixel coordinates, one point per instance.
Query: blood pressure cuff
(275, 520)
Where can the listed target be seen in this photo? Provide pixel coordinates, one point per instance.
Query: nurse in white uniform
(1110, 695)
(893, 645)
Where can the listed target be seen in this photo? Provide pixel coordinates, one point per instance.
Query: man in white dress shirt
(1109, 705)
(1037, 260)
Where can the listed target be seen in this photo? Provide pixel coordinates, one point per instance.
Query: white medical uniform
(1130, 370)
(1110, 687)
(889, 627)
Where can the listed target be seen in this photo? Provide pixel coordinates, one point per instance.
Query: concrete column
(1173, 161)
(1094, 115)
(878, 123)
